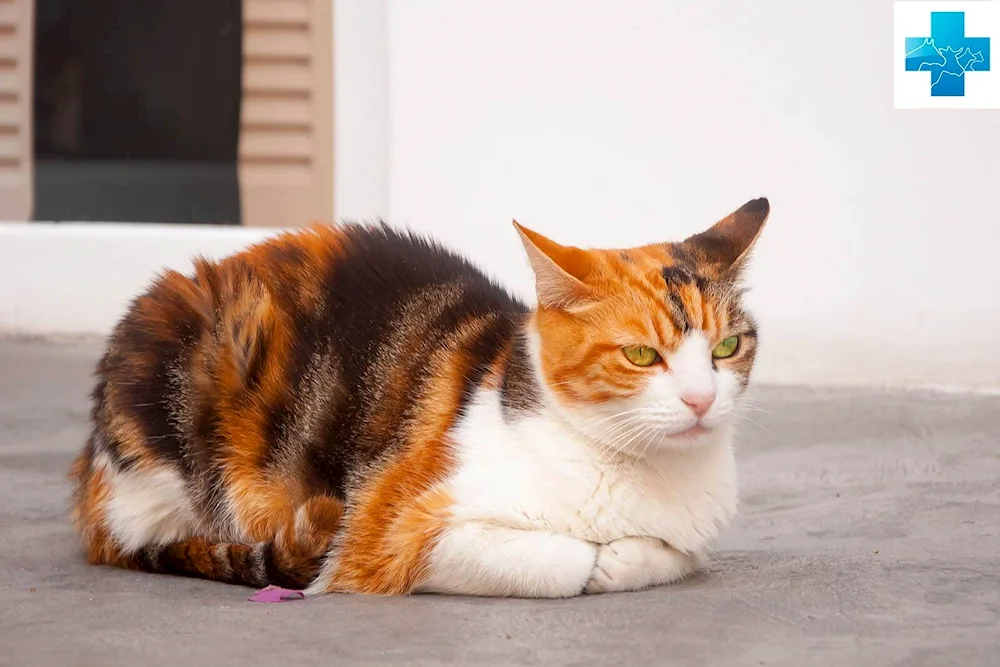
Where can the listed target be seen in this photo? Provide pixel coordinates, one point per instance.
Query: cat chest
(544, 483)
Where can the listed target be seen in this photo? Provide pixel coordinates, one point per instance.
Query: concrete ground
(869, 536)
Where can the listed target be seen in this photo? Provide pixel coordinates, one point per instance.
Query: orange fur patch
(391, 558)
(293, 263)
(90, 519)
(303, 542)
(402, 511)
(629, 305)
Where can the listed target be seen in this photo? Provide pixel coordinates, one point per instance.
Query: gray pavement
(868, 536)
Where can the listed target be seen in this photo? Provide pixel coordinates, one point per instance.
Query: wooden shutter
(286, 129)
(16, 147)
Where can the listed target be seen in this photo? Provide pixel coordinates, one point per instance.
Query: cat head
(648, 346)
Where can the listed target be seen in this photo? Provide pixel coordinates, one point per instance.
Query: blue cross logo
(948, 54)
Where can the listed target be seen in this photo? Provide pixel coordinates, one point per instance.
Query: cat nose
(698, 402)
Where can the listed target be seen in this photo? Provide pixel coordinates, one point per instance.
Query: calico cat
(357, 409)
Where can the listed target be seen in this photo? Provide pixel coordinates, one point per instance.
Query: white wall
(602, 123)
(67, 279)
(360, 108)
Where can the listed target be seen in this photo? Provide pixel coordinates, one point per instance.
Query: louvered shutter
(16, 149)
(286, 129)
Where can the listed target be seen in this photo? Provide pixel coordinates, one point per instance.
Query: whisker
(620, 446)
(624, 412)
(625, 432)
(744, 417)
(614, 446)
(753, 408)
(607, 428)
(649, 441)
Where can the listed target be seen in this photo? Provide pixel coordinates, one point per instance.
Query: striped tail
(292, 560)
(255, 565)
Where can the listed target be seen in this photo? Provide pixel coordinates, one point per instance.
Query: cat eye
(641, 355)
(726, 348)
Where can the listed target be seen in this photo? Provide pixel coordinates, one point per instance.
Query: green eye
(726, 348)
(641, 355)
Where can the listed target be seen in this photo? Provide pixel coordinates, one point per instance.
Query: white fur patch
(146, 508)
(323, 583)
(634, 563)
(487, 559)
(529, 494)
(537, 474)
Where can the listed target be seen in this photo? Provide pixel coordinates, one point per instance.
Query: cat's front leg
(634, 563)
(484, 559)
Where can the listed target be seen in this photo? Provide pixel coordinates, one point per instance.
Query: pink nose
(699, 403)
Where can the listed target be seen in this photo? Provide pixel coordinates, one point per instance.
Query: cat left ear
(727, 243)
(559, 270)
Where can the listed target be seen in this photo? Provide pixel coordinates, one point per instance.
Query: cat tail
(255, 565)
(291, 560)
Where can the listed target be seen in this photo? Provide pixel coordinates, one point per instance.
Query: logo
(943, 55)
(947, 54)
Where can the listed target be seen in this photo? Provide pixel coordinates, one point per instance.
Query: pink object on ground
(277, 594)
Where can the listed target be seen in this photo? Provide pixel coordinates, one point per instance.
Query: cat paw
(634, 563)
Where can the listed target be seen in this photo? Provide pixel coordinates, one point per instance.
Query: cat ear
(727, 243)
(559, 270)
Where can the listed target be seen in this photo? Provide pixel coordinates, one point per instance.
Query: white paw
(634, 563)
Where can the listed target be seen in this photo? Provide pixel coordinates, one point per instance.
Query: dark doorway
(137, 110)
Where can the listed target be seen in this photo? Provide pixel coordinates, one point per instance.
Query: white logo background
(912, 90)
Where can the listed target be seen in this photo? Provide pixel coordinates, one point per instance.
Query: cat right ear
(559, 270)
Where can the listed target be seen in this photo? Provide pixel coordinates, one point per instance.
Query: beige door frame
(17, 28)
(286, 129)
(285, 156)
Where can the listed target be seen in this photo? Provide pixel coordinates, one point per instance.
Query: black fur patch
(365, 292)
(519, 391)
